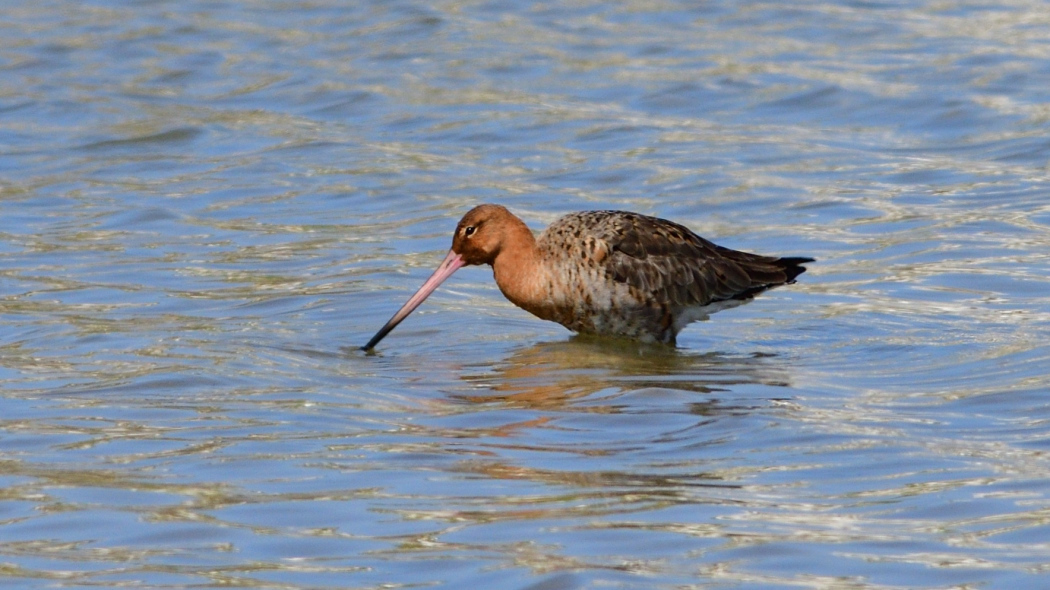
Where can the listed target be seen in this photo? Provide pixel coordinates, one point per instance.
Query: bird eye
(469, 230)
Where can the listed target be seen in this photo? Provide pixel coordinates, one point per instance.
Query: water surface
(206, 207)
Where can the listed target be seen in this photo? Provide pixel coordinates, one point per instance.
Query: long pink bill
(449, 265)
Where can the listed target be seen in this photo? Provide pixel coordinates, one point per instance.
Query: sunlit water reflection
(205, 208)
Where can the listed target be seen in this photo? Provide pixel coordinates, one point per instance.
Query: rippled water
(205, 207)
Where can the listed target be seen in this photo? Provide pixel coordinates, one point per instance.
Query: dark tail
(766, 272)
(792, 266)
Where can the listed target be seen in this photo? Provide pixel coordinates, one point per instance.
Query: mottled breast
(613, 272)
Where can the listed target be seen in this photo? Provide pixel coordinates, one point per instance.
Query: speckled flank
(614, 272)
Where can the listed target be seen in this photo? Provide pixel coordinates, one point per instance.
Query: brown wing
(678, 267)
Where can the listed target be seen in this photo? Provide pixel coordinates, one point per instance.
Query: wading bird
(606, 272)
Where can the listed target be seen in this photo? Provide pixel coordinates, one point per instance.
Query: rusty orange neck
(518, 268)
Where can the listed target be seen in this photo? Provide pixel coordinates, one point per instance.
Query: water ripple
(208, 207)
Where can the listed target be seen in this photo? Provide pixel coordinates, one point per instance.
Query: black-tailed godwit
(606, 272)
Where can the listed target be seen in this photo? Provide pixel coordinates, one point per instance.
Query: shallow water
(206, 207)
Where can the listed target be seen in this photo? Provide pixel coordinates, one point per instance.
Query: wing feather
(669, 263)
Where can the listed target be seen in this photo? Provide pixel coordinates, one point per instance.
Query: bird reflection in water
(555, 374)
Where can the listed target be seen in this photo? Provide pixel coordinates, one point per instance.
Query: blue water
(206, 207)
